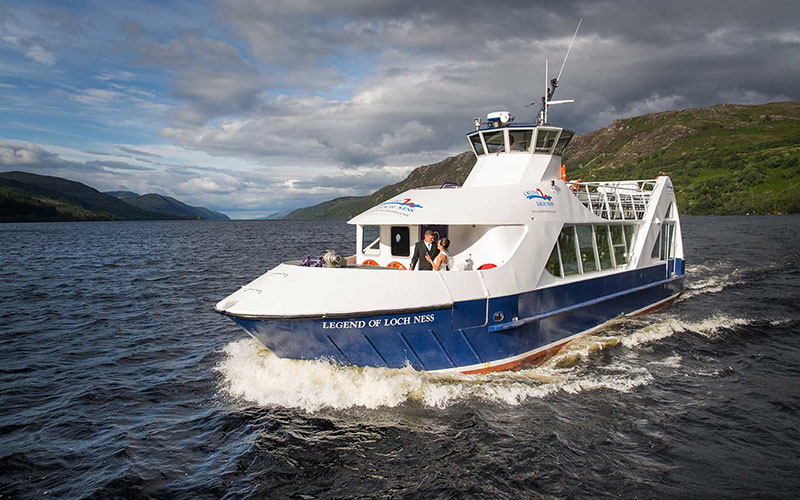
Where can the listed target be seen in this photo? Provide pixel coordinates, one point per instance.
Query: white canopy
(480, 205)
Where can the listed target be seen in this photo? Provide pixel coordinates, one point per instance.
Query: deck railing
(619, 200)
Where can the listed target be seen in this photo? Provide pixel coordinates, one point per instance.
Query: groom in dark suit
(422, 248)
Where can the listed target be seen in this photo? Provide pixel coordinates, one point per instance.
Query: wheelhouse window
(520, 140)
(401, 241)
(545, 139)
(563, 141)
(495, 141)
(477, 145)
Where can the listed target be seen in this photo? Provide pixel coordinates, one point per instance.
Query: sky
(255, 107)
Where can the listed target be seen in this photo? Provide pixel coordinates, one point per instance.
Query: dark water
(117, 380)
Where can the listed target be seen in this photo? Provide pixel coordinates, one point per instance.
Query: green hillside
(161, 204)
(26, 197)
(724, 159)
(27, 193)
(453, 169)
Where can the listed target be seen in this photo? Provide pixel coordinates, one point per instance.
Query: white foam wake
(670, 326)
(257, 375)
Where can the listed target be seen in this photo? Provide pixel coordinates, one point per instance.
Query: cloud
(138, 152)
(218, 184)
(412, 77)
(116, 165)
(95, 96)
(212, 78)
(32, 48)
(23, 155)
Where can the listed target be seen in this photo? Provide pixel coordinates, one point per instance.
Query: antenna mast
(547, 99)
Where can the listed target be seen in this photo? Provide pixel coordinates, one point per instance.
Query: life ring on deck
(396, 265)
(486, 266)
(576, 185)
(369, 262)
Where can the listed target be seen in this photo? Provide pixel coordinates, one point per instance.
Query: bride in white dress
(443, 261)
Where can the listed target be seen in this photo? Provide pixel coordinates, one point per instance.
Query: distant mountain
(123, 195)
(453, 169)
(26, 197)
(32, 197)
(724, 159)
(161, 204)
(274, 216)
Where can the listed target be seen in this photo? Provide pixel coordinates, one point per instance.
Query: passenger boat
(539, 261)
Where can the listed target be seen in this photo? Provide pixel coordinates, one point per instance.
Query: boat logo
(537, 193)
(404, 205)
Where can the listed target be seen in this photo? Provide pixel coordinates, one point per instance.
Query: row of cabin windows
(520, 140)
(589, 248)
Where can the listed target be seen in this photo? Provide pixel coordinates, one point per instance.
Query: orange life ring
(486, 266)
(577, 185)
(369, 262)
(396, 265)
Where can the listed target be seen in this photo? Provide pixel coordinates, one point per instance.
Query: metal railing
(618, 200)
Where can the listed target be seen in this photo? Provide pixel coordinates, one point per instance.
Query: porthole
(498, 316)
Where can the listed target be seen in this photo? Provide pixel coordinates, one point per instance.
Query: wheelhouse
(516, 139)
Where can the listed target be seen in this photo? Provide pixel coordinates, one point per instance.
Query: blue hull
(470, 334)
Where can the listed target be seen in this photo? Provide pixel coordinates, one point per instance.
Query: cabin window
(477, 145)
(401, 242)
(563, 140)
(586, 244)
(618, 243)
(586, 249)
(630, 231)
(553, 265)
(669, 249)
(495, 141)
(371, 240)
(603, 247)
(656, 253)
(520, 140)
(545, 140)
(569, 255)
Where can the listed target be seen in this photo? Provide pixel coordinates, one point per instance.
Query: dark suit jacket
(420, 250)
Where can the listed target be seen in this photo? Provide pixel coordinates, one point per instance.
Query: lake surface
(118, 380)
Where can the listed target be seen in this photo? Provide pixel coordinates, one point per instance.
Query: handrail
(625, 200)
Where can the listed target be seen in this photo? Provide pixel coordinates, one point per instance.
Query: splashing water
(255, 374)
(662, 329)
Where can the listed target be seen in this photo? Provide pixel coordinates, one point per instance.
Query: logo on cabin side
(537, 194)
(405, 205)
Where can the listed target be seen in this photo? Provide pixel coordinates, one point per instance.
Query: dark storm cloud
(416, 72)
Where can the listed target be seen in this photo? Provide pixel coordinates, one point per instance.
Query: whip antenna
(570, 48)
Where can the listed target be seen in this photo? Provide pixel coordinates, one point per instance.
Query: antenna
(548, 92)
(568, 49)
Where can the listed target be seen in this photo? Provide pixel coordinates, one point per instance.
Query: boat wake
(255, 374)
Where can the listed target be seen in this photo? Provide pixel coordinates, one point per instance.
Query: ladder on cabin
(620, 200)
